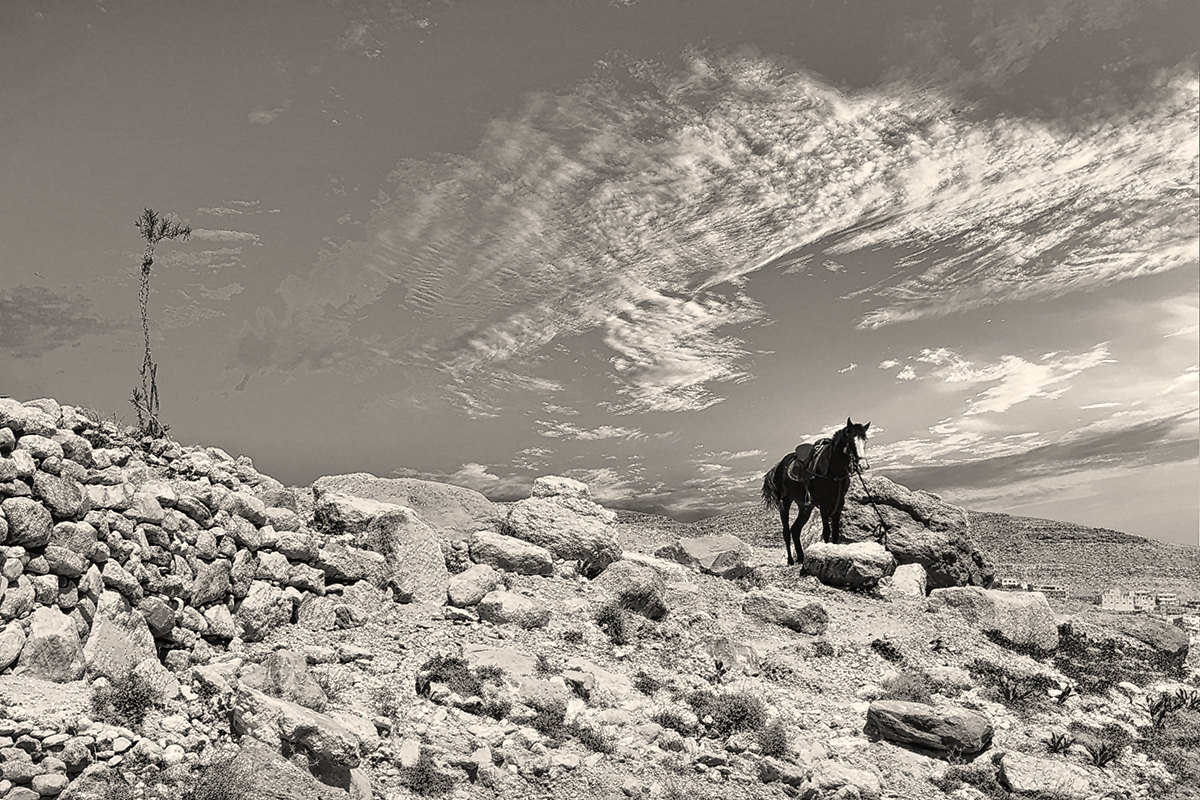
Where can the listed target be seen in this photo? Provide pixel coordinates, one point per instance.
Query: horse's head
(854, 439)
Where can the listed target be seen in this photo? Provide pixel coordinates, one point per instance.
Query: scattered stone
(1023, 618)
(510, 554)
(851, 566)
(637, 587)
(501, 607)
(723, 556)
(471, 586)
(782, 608)
(943, 729)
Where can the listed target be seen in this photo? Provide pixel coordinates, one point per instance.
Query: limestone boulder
(509, 554)
(330, 748)
(637, 587)
(501, 607)
(29, 522)
(119, 640)
(1025, 774)
(783, 608)
(12, 640)
(53, 651)
(453, 511)
(561, 517)
(265, 608)
(941, 730)
(347, 565)
(724, 556)
(337, 513)
(411, 551)
(288, 678)
(909, 580)
(921, 529)
(831, 777)
(850, 566)
(63, 496)
(1023, 618)
(469, 587)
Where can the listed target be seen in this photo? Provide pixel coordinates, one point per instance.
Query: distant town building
(1116, 600)
(1054, 590)
(1143, 600)
(1013, 585)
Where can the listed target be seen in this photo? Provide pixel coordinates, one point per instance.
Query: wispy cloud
(846, 369)
(601, 208)
(225, 236)
(567, 430)
(219, 212)
(35, 320)
(265, 117)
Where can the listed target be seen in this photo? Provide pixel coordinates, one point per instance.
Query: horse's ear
(848, 422)
(868, 425)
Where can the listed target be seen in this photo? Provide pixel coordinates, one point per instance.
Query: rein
(878, 513)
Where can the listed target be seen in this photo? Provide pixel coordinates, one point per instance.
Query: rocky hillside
(179, 625)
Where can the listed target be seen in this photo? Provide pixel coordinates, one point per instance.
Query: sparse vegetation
(821, 648)
(545, 666)
(615, 623)
(336, 681)
(1102, 752)
(572, 636)
(887, 650)
(593, 738)
(775, 739)
(153, 229)
(125, 701)
(424, 778)
(224, 779)
(1059, 742)
(645, 683)
(912, 687)
(729, 711)
(673, 720)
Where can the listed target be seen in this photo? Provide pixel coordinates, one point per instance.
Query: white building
(1143, 600)
(1116, 600)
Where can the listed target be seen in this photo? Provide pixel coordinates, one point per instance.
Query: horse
(816, 475)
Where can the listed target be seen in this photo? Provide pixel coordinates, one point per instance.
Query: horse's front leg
(798, 529)
(836, 522)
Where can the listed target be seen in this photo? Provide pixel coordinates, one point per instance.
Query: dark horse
(815, 475)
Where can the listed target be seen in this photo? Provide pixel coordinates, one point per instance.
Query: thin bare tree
(145, 399)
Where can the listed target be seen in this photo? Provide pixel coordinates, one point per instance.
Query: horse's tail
(771, 491)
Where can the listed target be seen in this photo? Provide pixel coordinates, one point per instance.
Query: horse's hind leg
(785, 507)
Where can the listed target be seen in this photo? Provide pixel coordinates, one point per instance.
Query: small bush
(913, 687)
(125, 701)
(730, 712)
(223, 779)
(672, 719)
(593, 738)
(549, 719)
(980, 775)
(774, 740)
(496, 705)
(1103, 751)
(449, 670)
(424, 778)
(386, 700)
(572, 636)
(823, 649)
(545, 666)
(887, 650)
(645, 683)
(490, 673)
(1059, 742)
(615, 623)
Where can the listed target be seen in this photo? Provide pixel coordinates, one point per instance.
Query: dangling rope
(878, 513)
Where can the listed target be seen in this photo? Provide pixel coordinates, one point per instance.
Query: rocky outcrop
(1023, 619)
(560, 516)
(468, 588)
(509, 554)
(1025, 774)
(501, 607)
(941, 730)
(851, 566)
(921, 529)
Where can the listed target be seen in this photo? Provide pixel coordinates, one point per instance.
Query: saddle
(812, 460)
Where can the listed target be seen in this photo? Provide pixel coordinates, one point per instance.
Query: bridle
(857, 464)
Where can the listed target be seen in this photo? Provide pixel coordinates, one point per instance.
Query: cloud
(632, 212)
(225, 236)
(906, 374)
(567, 430)
(219, 212)
(35, 320)
(1016, 380)
(478, 477)
(889, 364)
(844, 370)
(260, 117)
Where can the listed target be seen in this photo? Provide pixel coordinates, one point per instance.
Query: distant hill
(1086, 560)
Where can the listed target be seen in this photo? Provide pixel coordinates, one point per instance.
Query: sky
(649, 245)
